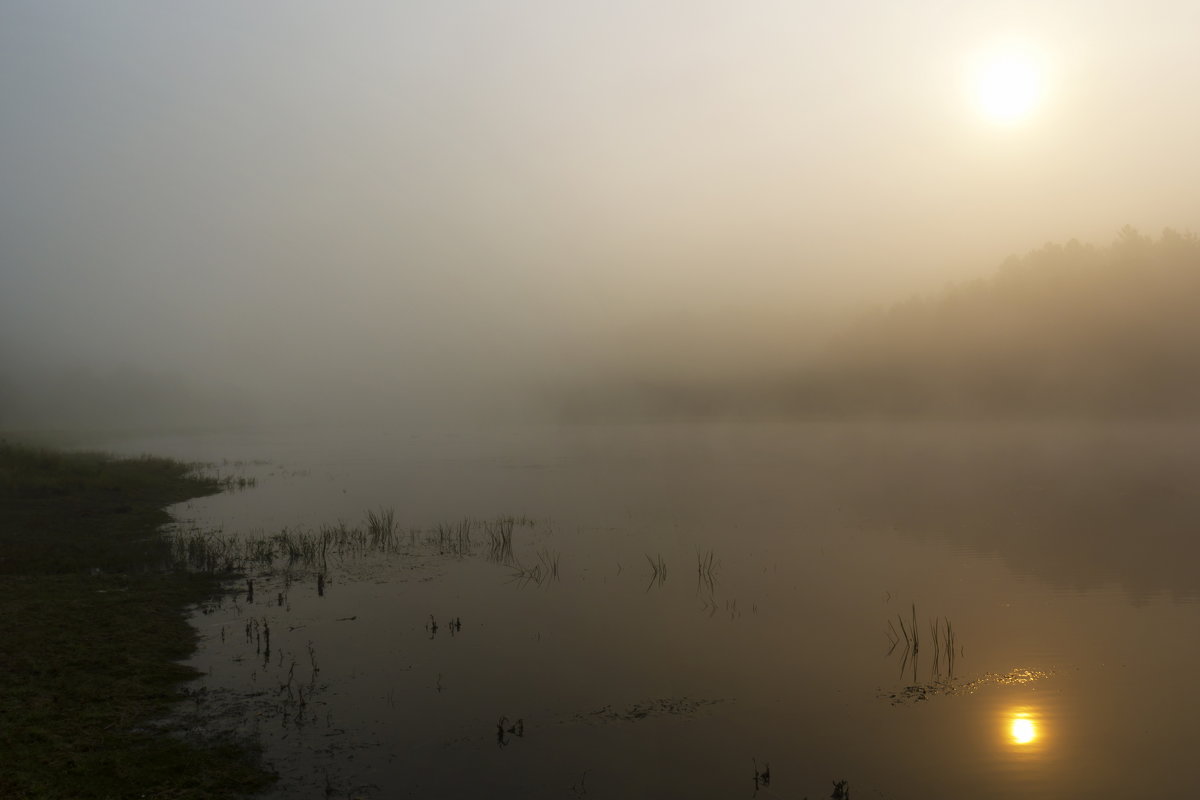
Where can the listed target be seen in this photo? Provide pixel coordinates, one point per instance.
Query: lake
(711, 610)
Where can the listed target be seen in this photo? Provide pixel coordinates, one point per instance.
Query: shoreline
(94, 628)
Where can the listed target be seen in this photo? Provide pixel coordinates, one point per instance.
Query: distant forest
(1070, 329)
(1066, 330)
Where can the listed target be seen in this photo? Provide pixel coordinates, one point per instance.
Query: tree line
(1066, 329)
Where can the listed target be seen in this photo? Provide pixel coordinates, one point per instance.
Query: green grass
(91, 631)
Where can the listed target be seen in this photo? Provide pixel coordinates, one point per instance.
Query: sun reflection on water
(1023, 728)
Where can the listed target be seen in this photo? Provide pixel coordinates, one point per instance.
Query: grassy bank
(91, 630)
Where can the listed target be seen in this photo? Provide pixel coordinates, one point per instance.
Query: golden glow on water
(1023, 729)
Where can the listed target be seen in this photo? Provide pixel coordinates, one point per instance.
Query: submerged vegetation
(93, 629)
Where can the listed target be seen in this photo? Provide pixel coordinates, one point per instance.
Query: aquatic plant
(455, 538)
(706, 569)
(580, 786)
(544, 571)
(500, 546)
(658, 570)
(381, 527)
(549, 562)
(291, 548)
(946, 647)
(503, 729)
(762, 778)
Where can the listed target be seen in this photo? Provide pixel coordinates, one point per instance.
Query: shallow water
(1064, 556)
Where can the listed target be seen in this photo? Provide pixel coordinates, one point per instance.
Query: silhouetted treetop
(1064, 329)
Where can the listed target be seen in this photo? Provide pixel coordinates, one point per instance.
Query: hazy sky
(433, 194)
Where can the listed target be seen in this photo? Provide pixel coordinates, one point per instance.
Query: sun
(1008, 85)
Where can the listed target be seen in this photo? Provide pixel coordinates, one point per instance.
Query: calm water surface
(1064, 557)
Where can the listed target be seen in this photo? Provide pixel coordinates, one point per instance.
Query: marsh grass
(548, 559)
(706, 570)
(381, 528)
(293, 552)
(944, 639)
(762, 777)
(500, 546)
(233, 481)
(544, 571)
(455, 538)
(214, 552)
(658, 571)
(945, 646)
(93, 631)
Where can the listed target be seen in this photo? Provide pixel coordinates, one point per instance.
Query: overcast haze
(448, 204)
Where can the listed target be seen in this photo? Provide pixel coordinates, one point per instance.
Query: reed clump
(658, 570)
(500, 544)
(545, 570)
(381, 528)
(706, 569)
(455, 538)
(944, 639)
(220, 553)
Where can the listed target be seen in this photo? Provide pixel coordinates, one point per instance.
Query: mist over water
(1056, 553)
(298, 212)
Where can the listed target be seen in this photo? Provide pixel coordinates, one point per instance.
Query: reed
(541, 573)
(214, 552)
(942, 636)
(658, 569)
(455, 538)
(381, 528)
(500, 546)
(945, 646)
(526, 575)
(549, 562)
(762, 778)
(706, 570)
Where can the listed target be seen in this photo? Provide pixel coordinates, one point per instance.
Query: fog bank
(293, 210)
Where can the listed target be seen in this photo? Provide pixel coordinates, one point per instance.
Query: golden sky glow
(671, 185)
(1009, 85)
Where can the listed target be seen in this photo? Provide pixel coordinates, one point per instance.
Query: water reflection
(1024, 729)
(800, 519)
